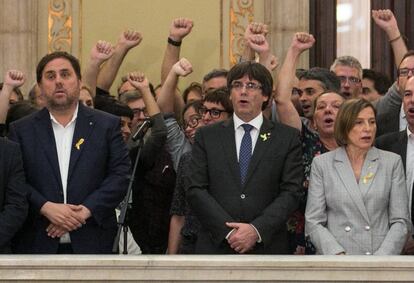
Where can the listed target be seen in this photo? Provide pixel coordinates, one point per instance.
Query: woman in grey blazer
(357, 201)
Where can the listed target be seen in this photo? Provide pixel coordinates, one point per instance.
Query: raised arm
(252, 29)
(166, 98)
(260, 45)
(12, 79)
(127, 40)
(140, 82)
(286, 110)
(179, 29)
(155, 142)
(100, 52)
(385, 20)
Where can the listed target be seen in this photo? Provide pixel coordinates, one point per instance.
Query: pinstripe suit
(368, 217)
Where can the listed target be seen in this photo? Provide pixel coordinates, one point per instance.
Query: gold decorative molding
(241, 14)
(60, 24)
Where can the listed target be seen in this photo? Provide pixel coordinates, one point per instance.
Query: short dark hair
(328, 79)
(118, 109)
(254, 71)
(197, 105)
(345, 119)
(222, 96)
(215, 73)
(381, 81)
(194, 86)
(17, 91)
(55, 55)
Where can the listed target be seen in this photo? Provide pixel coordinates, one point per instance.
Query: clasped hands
(64, 217)
(242, 238)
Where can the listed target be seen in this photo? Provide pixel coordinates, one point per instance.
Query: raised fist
(254, 29)
(14, 78)
(258, 43)
(302, 41)
(386, 21)
(182, 67)
(138, 80)
(130, 39)
(102, 51)
(180, 28)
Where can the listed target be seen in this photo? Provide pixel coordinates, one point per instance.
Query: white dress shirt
(254, 133)
(403, 119)
(239, 131)
(63, 138)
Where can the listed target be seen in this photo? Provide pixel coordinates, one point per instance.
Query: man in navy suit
(245, 173)
(76, 163)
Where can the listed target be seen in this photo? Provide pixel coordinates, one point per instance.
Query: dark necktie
(245, 152)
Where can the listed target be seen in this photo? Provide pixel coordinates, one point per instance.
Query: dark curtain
(323, 27)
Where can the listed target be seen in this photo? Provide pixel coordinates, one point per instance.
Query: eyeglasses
(138, 111)
(192, 122)
(351, 80)
(405, 71)
(249, 86)
(214, 113)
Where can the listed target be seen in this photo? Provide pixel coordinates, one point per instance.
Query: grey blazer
(368, 217)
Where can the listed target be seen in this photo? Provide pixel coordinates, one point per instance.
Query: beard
(61, 104)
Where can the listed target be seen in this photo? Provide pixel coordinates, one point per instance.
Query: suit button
(367, 228)
(242, 196)
(347, 228)
(367, 253)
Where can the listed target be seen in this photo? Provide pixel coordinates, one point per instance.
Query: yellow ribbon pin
(368, 177)
(78, 144)
(265, 136)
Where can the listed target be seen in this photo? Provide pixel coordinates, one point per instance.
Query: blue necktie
(245, 152)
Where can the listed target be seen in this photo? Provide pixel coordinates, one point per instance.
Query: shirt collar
(75, 115)
(409, 133)
(402, 113)
(256, 122)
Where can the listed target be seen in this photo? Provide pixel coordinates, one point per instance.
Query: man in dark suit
(390, 117)
(76, 163)
(402, 143)
(245, 173)
(13, 193)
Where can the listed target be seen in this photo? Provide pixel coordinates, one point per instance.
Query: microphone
(139, 134)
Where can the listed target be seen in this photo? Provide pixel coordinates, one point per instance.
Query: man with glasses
(390, 115)
(349, 71)
(134, 100)
(245, 173)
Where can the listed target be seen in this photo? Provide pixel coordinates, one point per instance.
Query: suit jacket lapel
(263, 140)
(229, 149)
(369, 170)
(46, 137)
(83, 129)
(402, 146)
(346, 174)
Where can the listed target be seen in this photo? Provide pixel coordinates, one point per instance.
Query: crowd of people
(312, 161)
